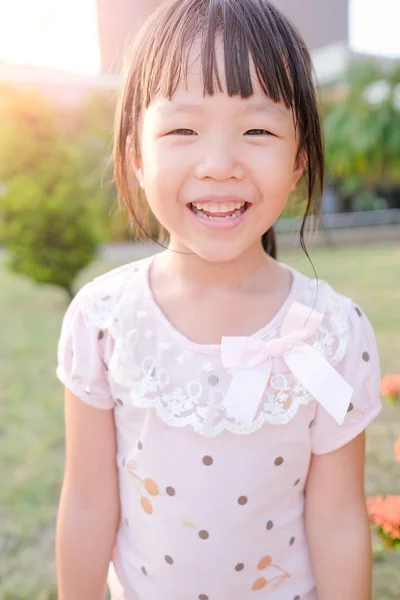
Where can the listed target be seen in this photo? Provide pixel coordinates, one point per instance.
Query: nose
(219, 163)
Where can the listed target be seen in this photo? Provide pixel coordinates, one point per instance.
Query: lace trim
(195, 404)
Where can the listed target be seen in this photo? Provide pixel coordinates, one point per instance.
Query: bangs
(254, 36)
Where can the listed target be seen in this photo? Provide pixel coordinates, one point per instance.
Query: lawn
(31, 410)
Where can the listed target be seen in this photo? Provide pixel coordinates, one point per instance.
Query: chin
(219, 253)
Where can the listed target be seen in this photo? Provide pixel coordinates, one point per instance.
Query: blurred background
(60, 225)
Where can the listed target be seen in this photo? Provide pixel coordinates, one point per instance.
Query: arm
(89, 506)
(337, 523)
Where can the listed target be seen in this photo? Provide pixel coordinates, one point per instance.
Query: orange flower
(397, 449)
(390, 386)
(385, 513)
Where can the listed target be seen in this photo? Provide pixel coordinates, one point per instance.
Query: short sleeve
(81, 366)
(360, 368)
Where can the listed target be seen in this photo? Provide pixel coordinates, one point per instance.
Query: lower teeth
(234, 215)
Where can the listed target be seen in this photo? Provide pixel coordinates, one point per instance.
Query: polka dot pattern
(351, 407)
(358, 311)
(213, 380)
(204, 535)
(248, 574)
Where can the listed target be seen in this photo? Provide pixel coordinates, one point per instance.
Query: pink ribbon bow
(251, 358)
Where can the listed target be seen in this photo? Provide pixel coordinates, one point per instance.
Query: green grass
(31, 410)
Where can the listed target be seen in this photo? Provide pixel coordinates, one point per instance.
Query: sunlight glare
(51, 33)
(374, 27)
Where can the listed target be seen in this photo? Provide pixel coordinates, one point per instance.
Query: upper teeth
(218, 207)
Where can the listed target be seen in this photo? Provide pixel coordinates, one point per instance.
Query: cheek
(163, 179)
(153, 166)
(276, 171)
(163, 166)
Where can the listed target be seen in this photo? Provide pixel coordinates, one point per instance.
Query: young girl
(216, 398)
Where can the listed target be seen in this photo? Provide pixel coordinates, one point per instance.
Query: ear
(298, 170)
(137, 167)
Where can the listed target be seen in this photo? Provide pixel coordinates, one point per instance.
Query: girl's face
(217, 170)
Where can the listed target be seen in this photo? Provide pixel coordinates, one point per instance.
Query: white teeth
(234, 215)
(218, 207)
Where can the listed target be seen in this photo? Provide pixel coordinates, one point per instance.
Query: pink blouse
(214, 441)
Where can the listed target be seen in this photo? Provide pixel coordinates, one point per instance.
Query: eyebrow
(179, 108)
(269, 108)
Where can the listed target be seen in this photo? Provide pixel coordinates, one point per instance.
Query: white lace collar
(184, 382)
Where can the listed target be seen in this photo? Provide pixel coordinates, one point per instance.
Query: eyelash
(180, 132)
(263, 131)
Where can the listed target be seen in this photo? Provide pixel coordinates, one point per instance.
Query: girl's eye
(182, 132)
(258, 132)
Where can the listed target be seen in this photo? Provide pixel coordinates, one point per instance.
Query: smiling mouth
(219, 211)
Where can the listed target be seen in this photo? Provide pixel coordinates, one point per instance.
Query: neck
(197, 271)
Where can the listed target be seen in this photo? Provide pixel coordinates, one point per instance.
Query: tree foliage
(91, 126)
(48, 218)
(362, 128)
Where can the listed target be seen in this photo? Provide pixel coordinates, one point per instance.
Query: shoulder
(345, 327)
(98, 299)
(346, 340)
(115, 281)
(90, 326)
(318, 292)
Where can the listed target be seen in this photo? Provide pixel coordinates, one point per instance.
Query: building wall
(117, 21)
(321, 22)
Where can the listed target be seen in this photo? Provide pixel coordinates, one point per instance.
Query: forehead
(190, 94)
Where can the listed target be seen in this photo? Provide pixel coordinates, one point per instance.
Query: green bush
(50, 212)
(49, 231)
